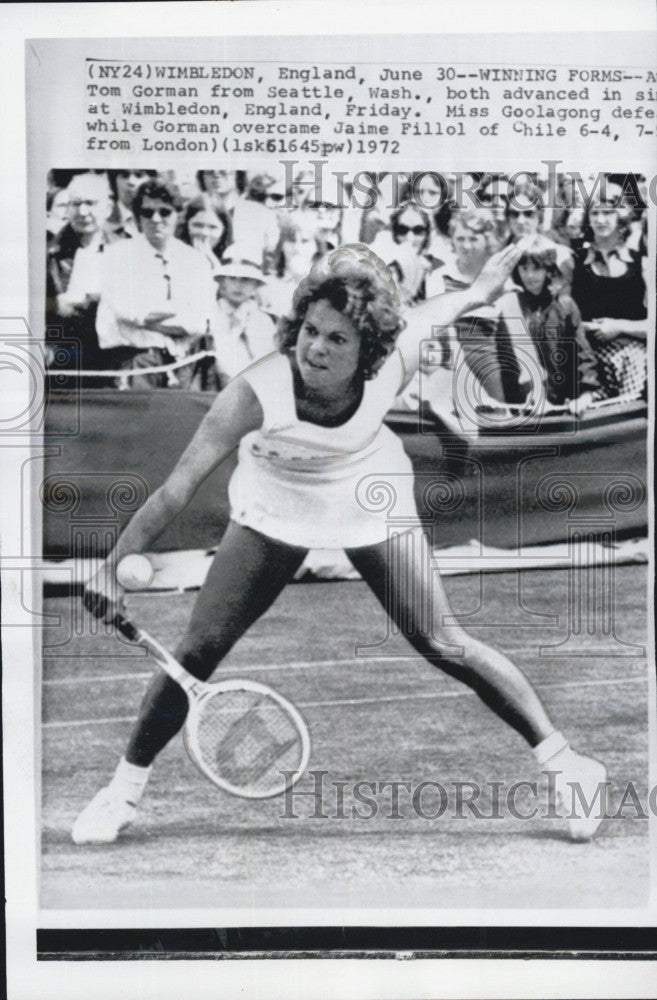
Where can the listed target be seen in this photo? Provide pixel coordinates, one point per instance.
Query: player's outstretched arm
(235, 412)
(441, 310)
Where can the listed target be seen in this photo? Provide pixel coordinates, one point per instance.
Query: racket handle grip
(126, 628)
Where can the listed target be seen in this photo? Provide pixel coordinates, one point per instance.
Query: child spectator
(242, 332)
(205, 227)
(544, 354)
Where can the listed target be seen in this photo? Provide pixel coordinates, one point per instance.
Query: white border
(360, 980)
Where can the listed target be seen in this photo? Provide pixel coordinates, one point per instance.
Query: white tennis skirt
(361, 501)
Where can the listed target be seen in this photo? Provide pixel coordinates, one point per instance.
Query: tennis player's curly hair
(358, 284)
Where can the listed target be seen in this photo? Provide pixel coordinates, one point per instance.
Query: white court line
(104, 679)
(265, 668)
(88, 722)
(248, 668)
(427, 696)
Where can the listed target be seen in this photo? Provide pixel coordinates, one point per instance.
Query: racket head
(242, 734)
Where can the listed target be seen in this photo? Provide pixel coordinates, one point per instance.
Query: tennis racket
(246, 738)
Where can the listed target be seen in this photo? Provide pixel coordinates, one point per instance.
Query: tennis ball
(134, 572)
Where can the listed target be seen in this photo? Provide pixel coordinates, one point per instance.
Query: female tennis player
(309, 425)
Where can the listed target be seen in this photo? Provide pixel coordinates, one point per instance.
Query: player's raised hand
(489, 283)
(104, 597)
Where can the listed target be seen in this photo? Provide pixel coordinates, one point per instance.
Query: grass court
(383, 715)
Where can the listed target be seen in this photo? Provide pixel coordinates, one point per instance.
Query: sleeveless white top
(323, 487)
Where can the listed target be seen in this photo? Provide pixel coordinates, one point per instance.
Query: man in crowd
(71, 301)
(124, 184)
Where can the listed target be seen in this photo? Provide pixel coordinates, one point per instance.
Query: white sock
(549, 748)
(130, 780)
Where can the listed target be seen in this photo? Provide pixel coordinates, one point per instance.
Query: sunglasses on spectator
(275, 196)
(322, 204)
(515, 213)
(402, 230)
(150, 213)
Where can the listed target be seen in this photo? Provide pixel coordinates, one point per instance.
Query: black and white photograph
(307, 411)
(327, 447)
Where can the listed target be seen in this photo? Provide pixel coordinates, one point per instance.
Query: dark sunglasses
(515, 213)
(278, 198)
(488, 200)
(322, 204)
(416, 230)
(150, 213)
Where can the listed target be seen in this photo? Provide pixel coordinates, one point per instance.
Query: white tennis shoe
(104, 818)
(582, 792)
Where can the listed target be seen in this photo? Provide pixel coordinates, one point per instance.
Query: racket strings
(247, 738)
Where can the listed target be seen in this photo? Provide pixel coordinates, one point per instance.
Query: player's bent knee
(439, 649)
(199, 658)
(458, 654)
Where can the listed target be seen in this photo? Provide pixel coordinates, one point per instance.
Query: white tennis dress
(323, 487)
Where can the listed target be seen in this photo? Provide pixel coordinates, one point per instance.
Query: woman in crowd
(323, 209)
(568, 210)
(300, 245)
(408, 259)
(434, 193)
(258, 217)
(223, 188)
(378, 205)
(471, 339)
(526, 215)
(610, 290)
(493, 194)
(524, 211)
(57, 211)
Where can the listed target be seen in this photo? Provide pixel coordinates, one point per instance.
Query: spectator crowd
(146, 269)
